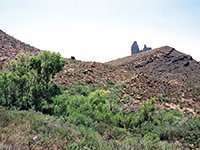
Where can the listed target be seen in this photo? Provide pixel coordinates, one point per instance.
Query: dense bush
(25, 83)
(99, 105)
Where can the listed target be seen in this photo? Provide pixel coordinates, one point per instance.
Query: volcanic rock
(135, 48)
(146, 48)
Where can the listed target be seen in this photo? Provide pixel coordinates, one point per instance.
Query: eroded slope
(164, 63)
(11, 47)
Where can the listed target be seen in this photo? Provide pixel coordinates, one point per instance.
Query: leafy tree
(4, 87)
(22, 78)
(47, 64)
(26, 83)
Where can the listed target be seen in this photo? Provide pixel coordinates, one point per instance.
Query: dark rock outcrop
(73, 58)
(146, 48)
(135, 49)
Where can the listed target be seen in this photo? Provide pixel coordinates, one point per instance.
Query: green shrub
(135, 90)
(91, 140)
(80, 119)
(79, 90)
(111, 82)
(146, 113)
(150, 141)
(190, 132)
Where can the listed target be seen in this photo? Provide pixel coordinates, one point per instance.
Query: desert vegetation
(37, 113)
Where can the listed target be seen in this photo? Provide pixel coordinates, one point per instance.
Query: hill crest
(11, 47)
(164, 63)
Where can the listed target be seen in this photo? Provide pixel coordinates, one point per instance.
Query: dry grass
(33, 130)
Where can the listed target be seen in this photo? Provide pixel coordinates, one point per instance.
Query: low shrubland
(92, 119)
(38, 114)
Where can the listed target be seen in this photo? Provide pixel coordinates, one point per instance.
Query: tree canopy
(26, 82)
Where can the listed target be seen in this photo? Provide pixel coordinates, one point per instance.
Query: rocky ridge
(164, 63)
(11, 47)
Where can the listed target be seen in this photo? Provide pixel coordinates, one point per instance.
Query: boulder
(73, 58)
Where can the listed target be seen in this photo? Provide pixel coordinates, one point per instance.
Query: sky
(103, 30)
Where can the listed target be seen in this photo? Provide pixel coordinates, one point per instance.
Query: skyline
(103, 30)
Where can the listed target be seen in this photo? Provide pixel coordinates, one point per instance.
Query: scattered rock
(187, 64)
(138, 97)
(11, 47)
(163, 63)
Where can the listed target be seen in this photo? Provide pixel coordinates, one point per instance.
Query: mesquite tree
(26, 82)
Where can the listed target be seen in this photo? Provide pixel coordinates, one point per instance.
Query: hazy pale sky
(103, 30)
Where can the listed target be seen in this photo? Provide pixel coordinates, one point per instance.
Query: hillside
(11, 47)
(164, 63)
(92, 74)
(145, 101)
(157, 73)
(132, 87)
(160, 71)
